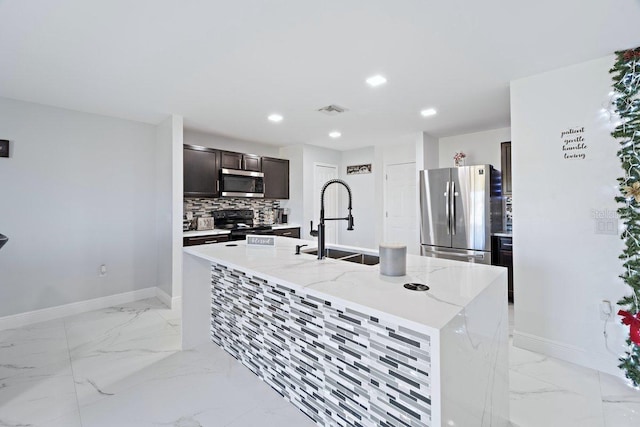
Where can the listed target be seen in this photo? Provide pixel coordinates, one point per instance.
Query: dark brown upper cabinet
(201, 170)
(505, 149)
(239, 161)
(276, 178)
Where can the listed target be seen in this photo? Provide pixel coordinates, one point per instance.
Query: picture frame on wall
(4, 148)
(359, 169)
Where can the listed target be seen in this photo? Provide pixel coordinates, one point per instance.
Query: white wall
(78, 191)
(169, 190)
(364, 215)
(562, 269)
(480, 147)
(221, 142)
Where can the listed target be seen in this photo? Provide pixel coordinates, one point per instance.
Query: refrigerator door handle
(453, 208)
(446, 208)
(476, 256)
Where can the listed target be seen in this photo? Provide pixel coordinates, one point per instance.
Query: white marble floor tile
(554, 371)
(536, 403)
(36, 385)
(204, 387)
(621, 403)
(42, 402)
(109, 345)
(172, 316)
(122, 367)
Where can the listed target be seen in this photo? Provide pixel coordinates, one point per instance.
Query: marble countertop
(281, 226)
(453, 284)
(199, 233)
(217, 231)
(503, 234)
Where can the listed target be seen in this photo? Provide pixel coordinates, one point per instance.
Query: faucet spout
(321, 226)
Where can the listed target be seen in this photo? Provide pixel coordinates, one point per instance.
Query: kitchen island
(348, 346)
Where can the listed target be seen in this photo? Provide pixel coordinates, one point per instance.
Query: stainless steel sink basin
(339, 254)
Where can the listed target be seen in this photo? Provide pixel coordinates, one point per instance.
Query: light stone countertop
(453, 284)
(199, 233)
(218, 231)
(503, 234)
(281, 226)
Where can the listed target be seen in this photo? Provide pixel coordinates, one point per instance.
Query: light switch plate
(4, 148)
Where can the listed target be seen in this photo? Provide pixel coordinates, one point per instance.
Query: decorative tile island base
(350, 347)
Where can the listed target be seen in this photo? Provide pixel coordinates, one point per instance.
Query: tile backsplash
(204, 207)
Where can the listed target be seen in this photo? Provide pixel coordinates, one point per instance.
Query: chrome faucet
(320, 232)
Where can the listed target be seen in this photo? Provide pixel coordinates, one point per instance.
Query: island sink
(342, 255)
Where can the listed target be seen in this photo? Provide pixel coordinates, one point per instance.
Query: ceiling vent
(332, 110)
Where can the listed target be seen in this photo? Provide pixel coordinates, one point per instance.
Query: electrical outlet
(103, 270)
(606, 310)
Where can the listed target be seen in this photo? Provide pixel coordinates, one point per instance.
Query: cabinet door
(201, 166)
(293, 232)
(205, 240)
(229, 160)
(276, 178)
(506, 167)
(251, 163)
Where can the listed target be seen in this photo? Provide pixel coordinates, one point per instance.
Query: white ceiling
(226, 65)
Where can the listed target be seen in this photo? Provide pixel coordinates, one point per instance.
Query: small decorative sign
(358, 169)
(4, 148)
(574, 146)
(258, 240)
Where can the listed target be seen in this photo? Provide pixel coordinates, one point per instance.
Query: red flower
(634, 325)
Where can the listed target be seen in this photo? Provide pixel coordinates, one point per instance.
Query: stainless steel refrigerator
(460, 208)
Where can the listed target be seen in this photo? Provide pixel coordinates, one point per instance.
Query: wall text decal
(574, 146)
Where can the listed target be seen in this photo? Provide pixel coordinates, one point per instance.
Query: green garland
(626, 87)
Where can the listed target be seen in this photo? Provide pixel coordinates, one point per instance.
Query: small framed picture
(4, 148)
(358, 169)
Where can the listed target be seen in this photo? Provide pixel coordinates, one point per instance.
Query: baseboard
(176, 303)
(593, 360)
(52, 313)
(173, 303)
(164, 297)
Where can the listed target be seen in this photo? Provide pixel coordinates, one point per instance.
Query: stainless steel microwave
(237, 183)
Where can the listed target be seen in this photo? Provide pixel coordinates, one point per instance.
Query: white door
(401, 207)
(322, 174)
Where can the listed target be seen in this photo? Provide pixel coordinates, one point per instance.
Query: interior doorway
(401, 206)
(321, 174)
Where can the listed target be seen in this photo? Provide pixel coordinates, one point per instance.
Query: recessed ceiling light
(275, 118)
(376, 80)
(428, 112)
(335, 134)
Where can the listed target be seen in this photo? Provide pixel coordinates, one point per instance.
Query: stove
(240, 222)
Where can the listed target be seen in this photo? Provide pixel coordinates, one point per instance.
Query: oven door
(237, 183)
(241, 233)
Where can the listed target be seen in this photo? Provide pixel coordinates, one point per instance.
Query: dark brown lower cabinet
(204, 240)
(293, 232)
(502, 255)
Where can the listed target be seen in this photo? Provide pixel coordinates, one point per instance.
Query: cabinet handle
(239, 163)
(287, 234)
(217, 186)
(211, 241)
